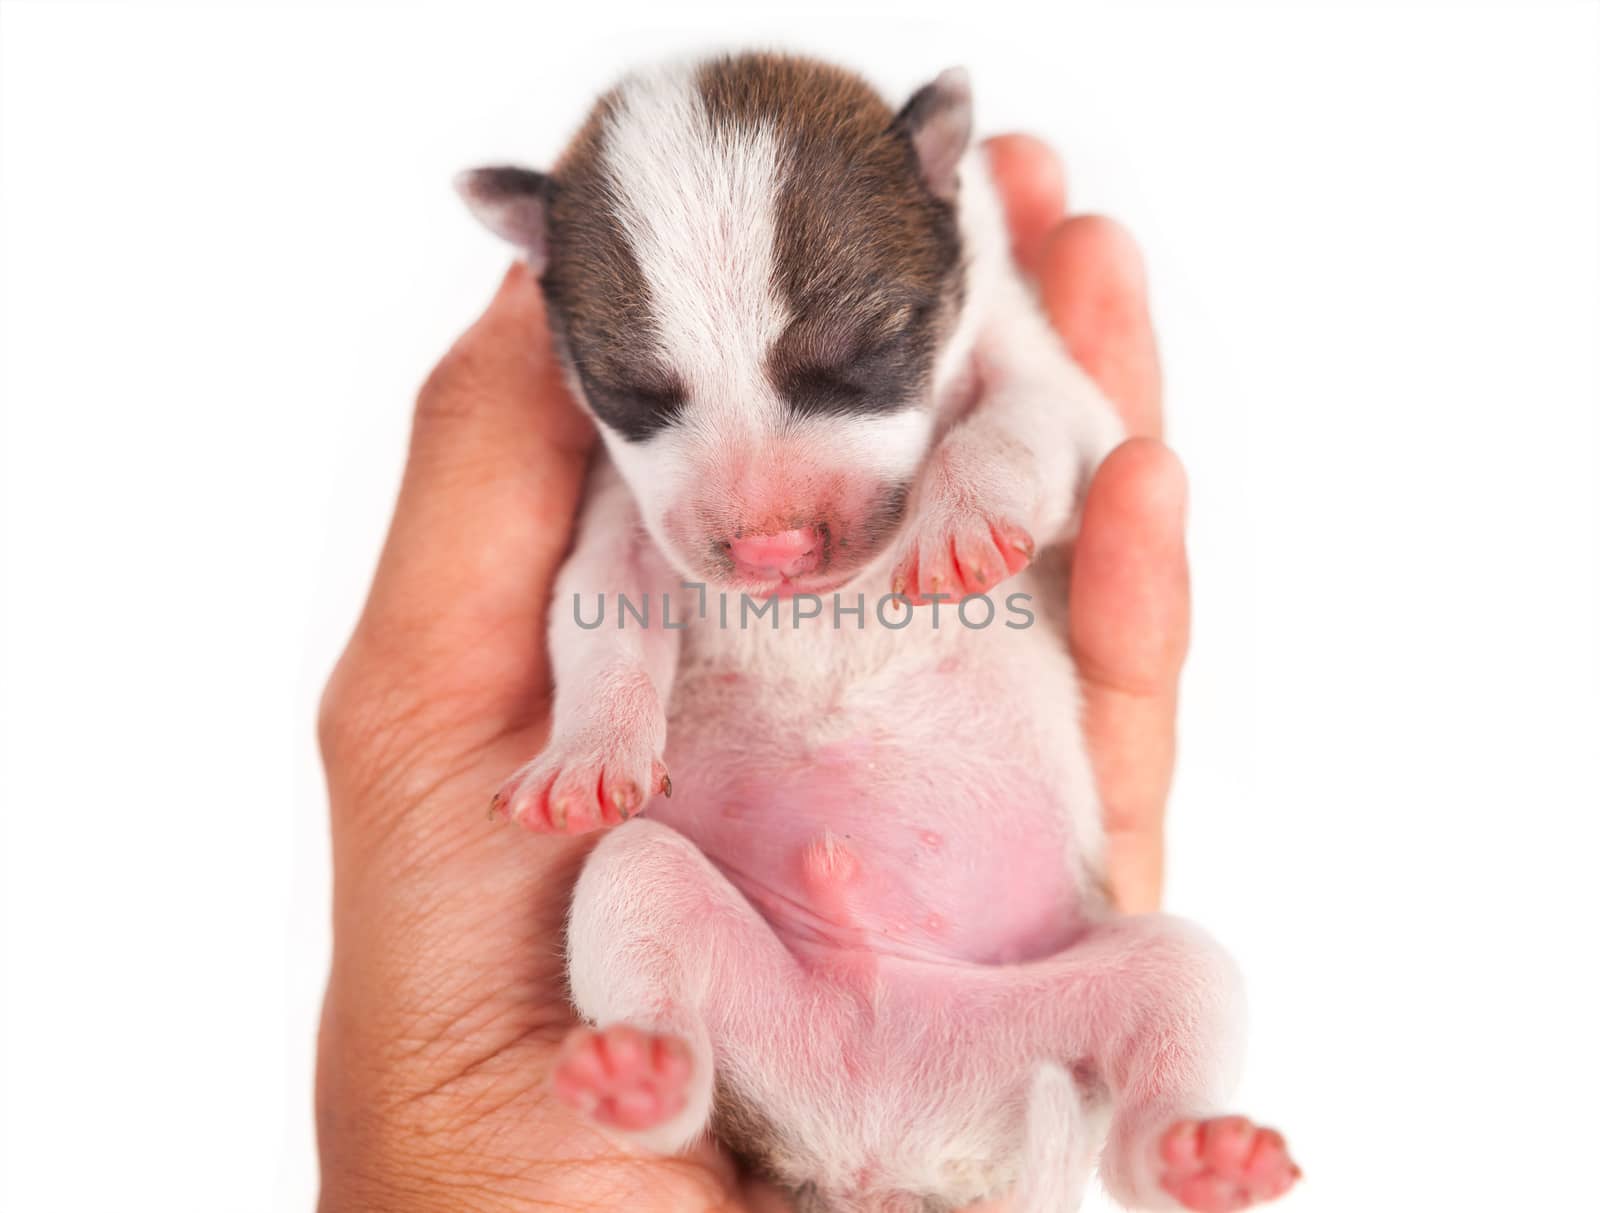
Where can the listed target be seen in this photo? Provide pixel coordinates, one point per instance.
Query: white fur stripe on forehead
(696, 203)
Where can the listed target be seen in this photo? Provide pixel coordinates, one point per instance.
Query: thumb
(498, 452)
(1128, 627)
(449, 654)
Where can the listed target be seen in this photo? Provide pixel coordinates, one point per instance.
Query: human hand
(446, 1002)
(1128, 603)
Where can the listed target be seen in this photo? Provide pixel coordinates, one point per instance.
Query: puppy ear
(938, 121)
(511, 203)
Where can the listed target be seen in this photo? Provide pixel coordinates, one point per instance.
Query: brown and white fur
(864, 940)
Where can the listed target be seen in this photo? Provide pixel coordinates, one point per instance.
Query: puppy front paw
(959, 556)
(597, 771)
(572, 789)
(970, 526)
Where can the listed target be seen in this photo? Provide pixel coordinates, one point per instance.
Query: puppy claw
(1008, 536)
(626, 799)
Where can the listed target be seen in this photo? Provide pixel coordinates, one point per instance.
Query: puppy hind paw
(1224, 1164)
(623, 1077)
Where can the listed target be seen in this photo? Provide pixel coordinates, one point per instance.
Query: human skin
(446, 1002)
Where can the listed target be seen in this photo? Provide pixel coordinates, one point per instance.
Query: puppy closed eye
(635, 410)
(651, 397)
(880, 374)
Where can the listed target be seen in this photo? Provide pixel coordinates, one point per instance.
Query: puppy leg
(1151, 1010)
(603, 762)
(666, 957)
(1007, 478)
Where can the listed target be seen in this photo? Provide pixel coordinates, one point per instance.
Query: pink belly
(860, 846)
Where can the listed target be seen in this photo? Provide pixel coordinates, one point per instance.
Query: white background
(230, 253)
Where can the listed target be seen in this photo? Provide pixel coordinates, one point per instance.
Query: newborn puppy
(864, 941)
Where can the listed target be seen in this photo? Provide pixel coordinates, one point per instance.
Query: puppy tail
(1059, 1149)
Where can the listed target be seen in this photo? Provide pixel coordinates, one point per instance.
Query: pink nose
(786, 554)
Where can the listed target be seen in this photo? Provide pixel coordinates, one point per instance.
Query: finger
(1129, 612)
(1033, 192)
(1093, 284)
(498, 452)
(1128, 628)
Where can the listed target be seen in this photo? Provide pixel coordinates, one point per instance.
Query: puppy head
(751, 265)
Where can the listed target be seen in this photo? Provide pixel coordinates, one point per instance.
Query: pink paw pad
(975, 559)
(1220, 1165)
(623, 1077)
